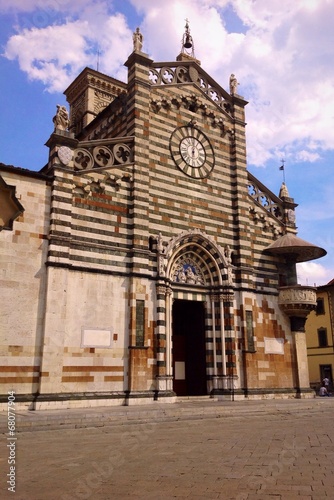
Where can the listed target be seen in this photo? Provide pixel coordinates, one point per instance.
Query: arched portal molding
(193, 257)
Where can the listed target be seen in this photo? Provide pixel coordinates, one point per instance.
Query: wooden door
(189, 358)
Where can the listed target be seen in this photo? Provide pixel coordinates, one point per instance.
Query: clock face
(192, 152)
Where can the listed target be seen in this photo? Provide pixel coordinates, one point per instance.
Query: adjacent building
(319, 329)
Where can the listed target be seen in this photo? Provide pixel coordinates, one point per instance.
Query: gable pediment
(189, 72)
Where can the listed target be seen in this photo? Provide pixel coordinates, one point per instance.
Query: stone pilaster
(163, 339)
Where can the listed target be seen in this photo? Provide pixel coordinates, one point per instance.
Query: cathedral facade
(144, 262)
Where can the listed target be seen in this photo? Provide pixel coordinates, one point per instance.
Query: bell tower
(88, 95)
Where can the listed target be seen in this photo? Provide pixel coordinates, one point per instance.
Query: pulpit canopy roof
(298, 250)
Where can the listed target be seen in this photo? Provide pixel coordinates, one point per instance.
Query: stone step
(188, 409)
(195, 399)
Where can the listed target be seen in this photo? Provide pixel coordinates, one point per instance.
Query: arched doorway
(188, 351)
(193, 275)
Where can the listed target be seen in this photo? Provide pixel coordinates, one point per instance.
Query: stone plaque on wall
(96, 338)
(273, 346)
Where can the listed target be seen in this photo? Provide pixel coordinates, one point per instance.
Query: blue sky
(281, 51)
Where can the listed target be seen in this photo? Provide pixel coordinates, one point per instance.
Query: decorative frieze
(281, 208)
(297, 300)
(97, 154)
(265, 199)
(194, 104)
(165, 75)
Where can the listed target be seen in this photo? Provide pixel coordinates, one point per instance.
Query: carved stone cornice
(226, 296)
(94, 79)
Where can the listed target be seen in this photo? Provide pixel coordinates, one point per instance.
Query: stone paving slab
(268, 450)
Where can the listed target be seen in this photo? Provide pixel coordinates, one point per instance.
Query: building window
(322, 337)
(320, 306)
(250, 331)
(140, 322)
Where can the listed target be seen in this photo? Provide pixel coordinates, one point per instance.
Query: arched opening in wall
(189, 349)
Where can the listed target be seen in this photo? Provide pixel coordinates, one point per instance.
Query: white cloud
(46, 6)
(115, 42)
(307, 156)
(285, 75)
(52, 55)
(313, 274)
(18, 5)
(55, 54)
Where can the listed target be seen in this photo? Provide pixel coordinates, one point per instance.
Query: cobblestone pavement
(280, 452)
